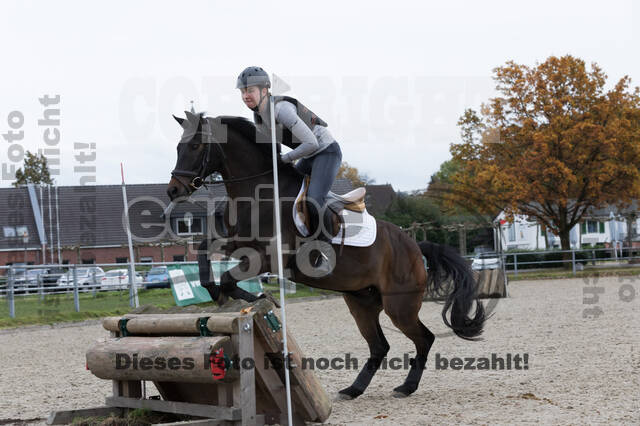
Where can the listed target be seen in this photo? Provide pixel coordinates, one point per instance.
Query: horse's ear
(179, 120)
(191, 117)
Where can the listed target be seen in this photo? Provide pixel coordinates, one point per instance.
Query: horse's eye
(195, 146)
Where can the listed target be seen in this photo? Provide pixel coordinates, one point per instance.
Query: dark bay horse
(389, 275)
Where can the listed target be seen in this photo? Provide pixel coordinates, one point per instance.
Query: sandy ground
(580, 370)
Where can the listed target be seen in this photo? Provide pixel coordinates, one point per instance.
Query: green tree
(36, 170)
(444, 174)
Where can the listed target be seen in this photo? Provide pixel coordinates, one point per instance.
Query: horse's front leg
(252, 263)
(206, 248)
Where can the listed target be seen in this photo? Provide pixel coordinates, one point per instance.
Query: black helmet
(253, 76)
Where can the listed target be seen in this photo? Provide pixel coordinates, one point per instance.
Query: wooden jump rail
(225, 367)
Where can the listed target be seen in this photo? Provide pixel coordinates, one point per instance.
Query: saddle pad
(360, 231)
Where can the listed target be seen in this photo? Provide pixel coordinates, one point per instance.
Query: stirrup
(322, 263)
(320, 259)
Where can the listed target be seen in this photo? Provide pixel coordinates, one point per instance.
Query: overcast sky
(391, 80)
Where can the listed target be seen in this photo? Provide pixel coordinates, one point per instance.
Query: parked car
(33, 278)
(89, 276)
(118, 278)
(19, 273)
(487, 260)
(20, 277)
(157, 277)
(50, 279)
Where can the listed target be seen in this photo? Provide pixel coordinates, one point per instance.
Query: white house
(527, 234)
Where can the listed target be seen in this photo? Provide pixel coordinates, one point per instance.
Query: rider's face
(251, 96)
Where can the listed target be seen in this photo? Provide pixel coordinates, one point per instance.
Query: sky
(390, 78)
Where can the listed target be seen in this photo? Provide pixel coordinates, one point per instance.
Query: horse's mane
(248, 131)
(240, 124)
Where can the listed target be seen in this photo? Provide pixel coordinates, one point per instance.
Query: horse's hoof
(214, 292)
(343, 397)
(402, 391)
(349, 393)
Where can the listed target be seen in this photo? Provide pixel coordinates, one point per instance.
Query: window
(178, 258)
(512, 232)
(592, 227)
(146, 259)
(122, 260)
(88, 261)
(189, 225)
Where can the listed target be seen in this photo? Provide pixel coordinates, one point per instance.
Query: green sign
(185, 282)
(185, 285)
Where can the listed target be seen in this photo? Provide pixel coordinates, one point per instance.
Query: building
(86, 224)
(379, 198)
(608, 226)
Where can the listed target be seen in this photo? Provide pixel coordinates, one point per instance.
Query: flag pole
(133, 291)
(276, 207)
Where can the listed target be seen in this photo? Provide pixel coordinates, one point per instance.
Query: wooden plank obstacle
(225, 367)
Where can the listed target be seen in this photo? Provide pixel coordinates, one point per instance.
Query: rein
(215, 182)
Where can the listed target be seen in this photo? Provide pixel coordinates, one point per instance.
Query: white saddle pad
(360, 228)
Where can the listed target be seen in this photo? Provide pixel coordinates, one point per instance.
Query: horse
(388, 275)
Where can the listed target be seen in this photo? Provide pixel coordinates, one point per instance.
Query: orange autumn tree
(552, 144)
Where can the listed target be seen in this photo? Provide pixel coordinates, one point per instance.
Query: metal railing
(516, 262)
(16, 282)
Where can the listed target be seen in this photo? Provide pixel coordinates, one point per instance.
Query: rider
(318, 154)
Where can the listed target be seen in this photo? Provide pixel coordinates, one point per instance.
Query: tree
(551, 145)
(409, 208)
(443, 175)
(35, 170)
(348, 172)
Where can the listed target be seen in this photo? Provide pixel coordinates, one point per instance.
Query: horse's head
(194, 161)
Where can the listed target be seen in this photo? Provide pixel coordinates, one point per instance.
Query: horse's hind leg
(365, 306)
(403, 310)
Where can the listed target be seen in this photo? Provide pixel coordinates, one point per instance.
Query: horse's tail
(450, 276)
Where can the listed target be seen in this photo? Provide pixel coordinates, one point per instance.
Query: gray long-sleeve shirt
(313, 140)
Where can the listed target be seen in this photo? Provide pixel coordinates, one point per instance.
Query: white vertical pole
(276, 207)
(133, 291)
(50, 225)
(44, 248)
(58, 226)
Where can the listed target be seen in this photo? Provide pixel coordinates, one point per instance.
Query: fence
(16, 281)
(579, 259)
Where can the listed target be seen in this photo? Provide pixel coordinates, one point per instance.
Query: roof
(93, 215)
(606, 211)
(603, 213)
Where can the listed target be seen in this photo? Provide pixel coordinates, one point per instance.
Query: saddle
(352, 201)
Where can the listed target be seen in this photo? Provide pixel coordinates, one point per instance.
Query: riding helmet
(253, 76)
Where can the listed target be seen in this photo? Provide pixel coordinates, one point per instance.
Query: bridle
(198, 179)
